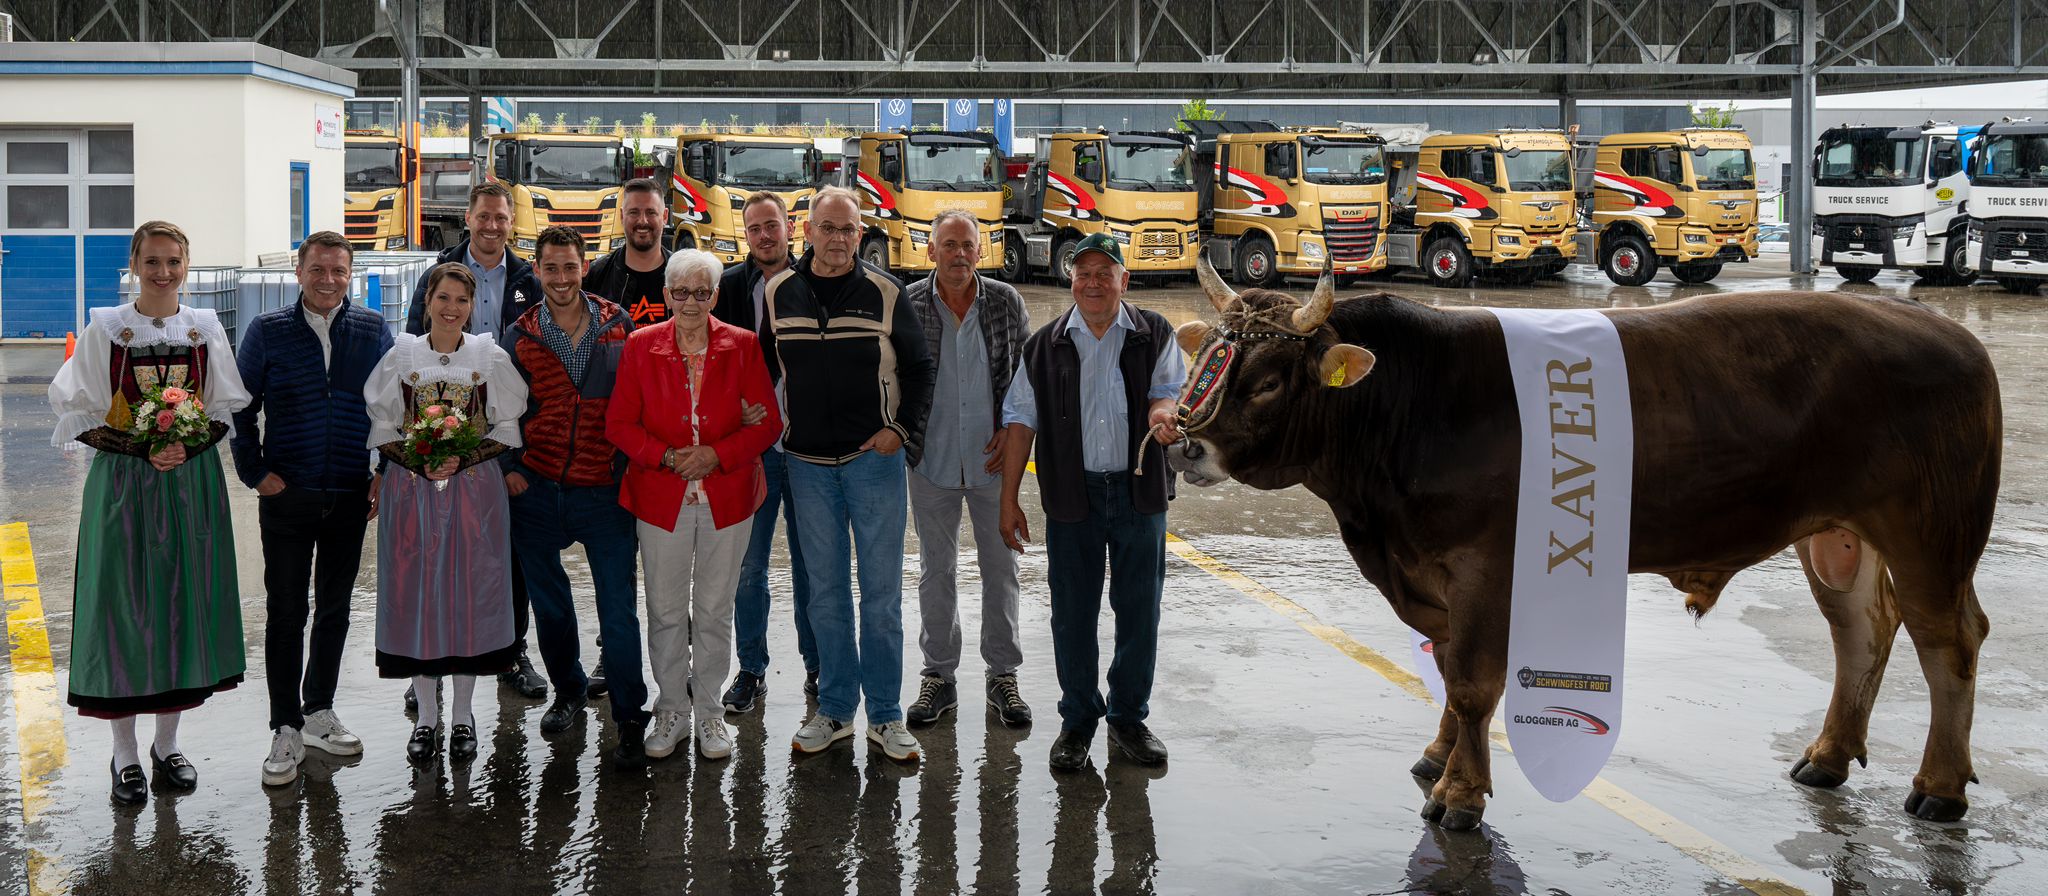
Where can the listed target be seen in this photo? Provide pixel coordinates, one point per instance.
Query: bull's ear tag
(1345, 364)
(1337, 376)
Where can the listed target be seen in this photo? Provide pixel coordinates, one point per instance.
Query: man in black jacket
(631, 275)
(742, 302)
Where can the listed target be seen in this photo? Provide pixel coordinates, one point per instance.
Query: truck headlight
(995, 237)
(1507, 239)
(1695, 237)
(1311, 249)
(394, 244)
(725, 246)
(523, 244)
(618, 241)
(919, 238)
(1121, 236)
(1820, 229)
(1904, 233)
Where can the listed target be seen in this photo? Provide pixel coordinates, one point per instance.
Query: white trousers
(692, 575)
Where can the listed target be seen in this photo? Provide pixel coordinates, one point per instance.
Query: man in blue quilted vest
(307, 363)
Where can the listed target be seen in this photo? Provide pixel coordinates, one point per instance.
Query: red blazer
(646, 419)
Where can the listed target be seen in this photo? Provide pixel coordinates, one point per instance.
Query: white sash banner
(1570, 595)
(1422, 651)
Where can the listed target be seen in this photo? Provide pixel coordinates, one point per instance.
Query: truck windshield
(1347, 162)
(370, 167)
(770, 165)
(2018, 160)
(1868, 157)
(1724, 169)
(1539, 170)
(574, 165)
(1146, 167)
(961, 167)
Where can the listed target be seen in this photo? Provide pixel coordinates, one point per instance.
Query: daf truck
(1138, 187)
(2008, 170)
(1498, 204)
(571, 179)
(906, 178)
(1683, 199)
(1893, 198)
(1277, 203)
(377, 207)
(715, 173)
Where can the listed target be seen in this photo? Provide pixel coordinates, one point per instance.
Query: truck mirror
(1700, 151)
(1090, 171)
(892, 170)
(408, 164)
(1512, 151)
(503, 169)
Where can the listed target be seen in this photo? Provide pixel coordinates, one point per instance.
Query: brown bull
(1864, 431)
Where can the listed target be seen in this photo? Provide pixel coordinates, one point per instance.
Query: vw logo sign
(896, 107)
(963, 107)
(1002, 107)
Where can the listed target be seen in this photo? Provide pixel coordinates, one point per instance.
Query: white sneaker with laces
(287, 750)
(324, 732)
(667, 730)
(894, 739)
(713, 740)
(819, 733)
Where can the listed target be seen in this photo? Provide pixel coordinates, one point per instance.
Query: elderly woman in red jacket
(693, 481)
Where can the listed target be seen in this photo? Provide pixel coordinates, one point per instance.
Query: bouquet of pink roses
(169, 415)
(440, 433)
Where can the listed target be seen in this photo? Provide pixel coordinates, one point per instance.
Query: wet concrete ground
(1290, 755)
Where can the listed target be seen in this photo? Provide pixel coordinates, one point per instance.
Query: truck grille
(1159, 239)
(359, 225)
(589, 224)
(2013, 240)
(1351, 242)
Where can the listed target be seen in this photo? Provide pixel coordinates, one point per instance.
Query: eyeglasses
(696, 295)
(838, 232)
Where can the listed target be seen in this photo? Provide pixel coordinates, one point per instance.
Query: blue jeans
(546, 519)
(750, 605)
(1135, 545)
(866, 495)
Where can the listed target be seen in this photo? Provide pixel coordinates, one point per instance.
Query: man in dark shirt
(632, 275)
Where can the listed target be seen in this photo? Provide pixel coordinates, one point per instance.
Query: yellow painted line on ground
(1658, 823)
(38, 714)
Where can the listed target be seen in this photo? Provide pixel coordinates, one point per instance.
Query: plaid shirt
(574, 357)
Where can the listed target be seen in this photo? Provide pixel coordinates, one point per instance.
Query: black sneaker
(525, 680)
(631, 753)
(1137, 742)
(566, 711)
(1008, 703)
(935, 697)
(811, 683)
(1070, 749)
(597, 685)
(746, 688)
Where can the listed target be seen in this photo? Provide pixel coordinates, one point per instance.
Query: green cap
(1099, 242)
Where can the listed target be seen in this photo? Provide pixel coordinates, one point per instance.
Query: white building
(239, 144)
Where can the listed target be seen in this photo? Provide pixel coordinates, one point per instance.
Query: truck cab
(1893, 198)
(1138, 187)
(1496, 203)
(1682, 199)
(1278, 203)
(906, 178)
(715, 173)
(2008, 171)
(571, 179)
(376, 212)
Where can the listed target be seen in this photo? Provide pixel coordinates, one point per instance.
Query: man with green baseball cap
(1090, 386)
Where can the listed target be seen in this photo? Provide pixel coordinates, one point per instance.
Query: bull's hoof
(1462, 819)
(1812, 775)
(1936, 808)
(1427, 769)
(1433, 811)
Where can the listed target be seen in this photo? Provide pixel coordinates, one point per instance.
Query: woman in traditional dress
(157, 625)
(444, 593)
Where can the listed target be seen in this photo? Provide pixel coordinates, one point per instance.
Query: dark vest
(1055, 369)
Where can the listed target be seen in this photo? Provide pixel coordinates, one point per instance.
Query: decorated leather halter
(1210, 375)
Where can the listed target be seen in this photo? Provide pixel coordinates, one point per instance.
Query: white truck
(1894, 198)
(2009, 204)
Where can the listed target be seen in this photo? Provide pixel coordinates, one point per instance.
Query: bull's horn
(1310, 316)
(1220, 293)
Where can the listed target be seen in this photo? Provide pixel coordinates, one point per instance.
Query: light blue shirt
(1105, 427)
(487, 313)
(961, 420)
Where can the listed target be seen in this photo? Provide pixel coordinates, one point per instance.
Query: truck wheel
(1063, 260)
(1013, 260)
(1258, 265)
(1857, 273)
(1628, 261)
(1447, 263)
(1697, 272)
(2025, 286)
(1955, 261)
(875, 252)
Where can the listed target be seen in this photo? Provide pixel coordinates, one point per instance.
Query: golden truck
(571, 179)
(906, 178)
(715, 173)
(1138, 187)
(1683, 199)
(376, 208)
(1277, 203)
(1497, 204)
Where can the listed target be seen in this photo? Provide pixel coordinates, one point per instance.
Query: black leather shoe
(1137, 742)
(174, 771)
(566, 711)
(525, 680)
(412, 701)
(811, 683)
(424, 744)
(461, 743)
(631, 753)
(746, 688)
(1070, 749)
(597, 684)
(130, 787)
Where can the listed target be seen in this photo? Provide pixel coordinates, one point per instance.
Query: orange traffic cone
(70, 344)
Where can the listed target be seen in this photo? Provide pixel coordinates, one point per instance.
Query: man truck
(1138, 187)
(1498, 203)
(906, 178)
(1683, 199)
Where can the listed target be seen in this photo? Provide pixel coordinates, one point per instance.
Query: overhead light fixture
(1483, 57)
(780, 55)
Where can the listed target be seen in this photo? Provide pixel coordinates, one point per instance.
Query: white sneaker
(667, 730)
(281, 767)
(894, 739)
(324, 732)
(712, 739)
(819, 733)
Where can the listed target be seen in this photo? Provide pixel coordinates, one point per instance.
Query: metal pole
(1799, 204)
(1567, 111)
(407, 24)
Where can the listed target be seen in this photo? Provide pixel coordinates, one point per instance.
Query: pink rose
(174, 395)
(164, 420)
(434, 410)
(450, 423)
